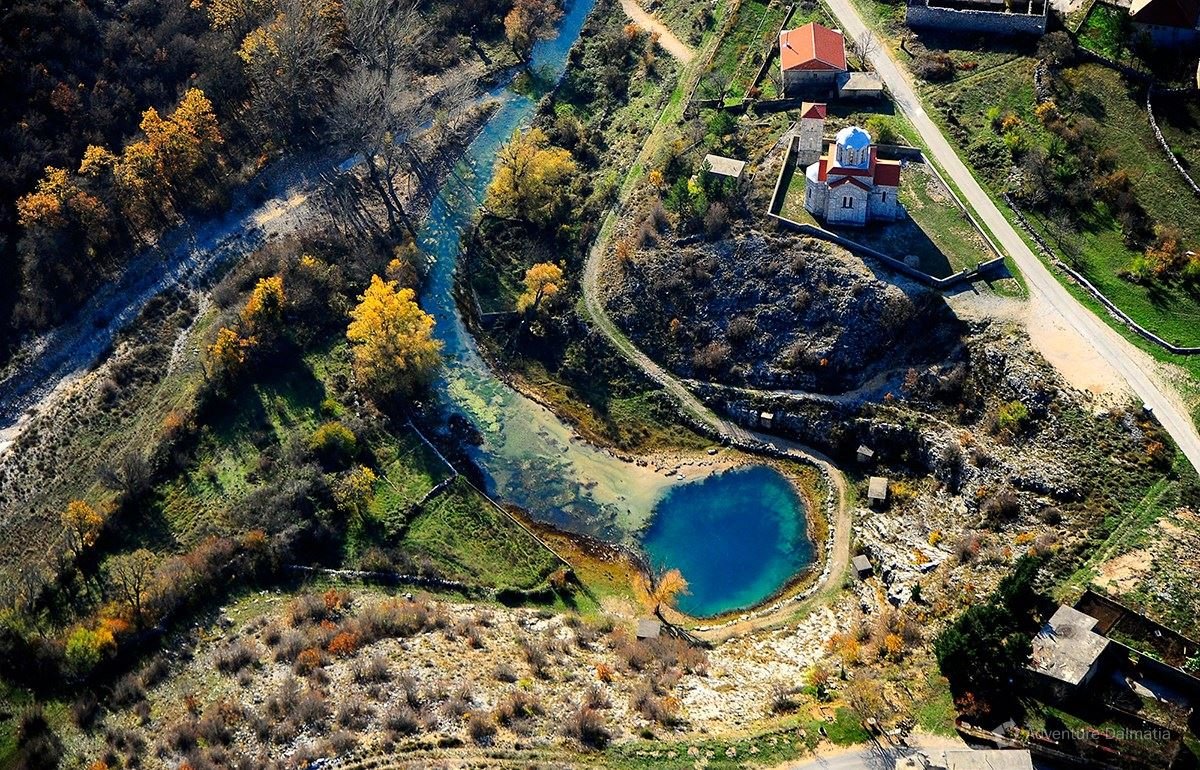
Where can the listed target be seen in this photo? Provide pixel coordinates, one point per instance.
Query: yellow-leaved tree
(542, 281)
(82, 523)
(263, 314)
(531, 179)
(654, 590)
(227, 354)
(395, 352)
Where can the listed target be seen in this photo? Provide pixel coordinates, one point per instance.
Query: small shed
(766, 419)
(865, 454)
(859, 85)
(863, 567)
(648, 628)
(877, 490)
(722, 166)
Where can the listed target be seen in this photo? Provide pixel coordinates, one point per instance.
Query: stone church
(849, 184)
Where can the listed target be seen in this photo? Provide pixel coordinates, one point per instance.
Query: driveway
(1051, 298)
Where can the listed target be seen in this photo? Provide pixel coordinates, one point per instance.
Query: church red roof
(812, 47)
(850, 180)
(887, 173)
(881, 172)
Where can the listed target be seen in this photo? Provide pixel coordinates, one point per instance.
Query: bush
(290, 645)
(934, 67)
(519, 705)
(353, 713)
(716, 220)
(587, 727)
(480, 728)
(537, 657)
(236, 655)
(334, 444)
(403, 720)
(126, 692)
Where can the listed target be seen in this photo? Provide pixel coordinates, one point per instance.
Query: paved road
(1125, 359)
(666, 38)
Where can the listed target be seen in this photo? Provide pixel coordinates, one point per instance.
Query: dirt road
(666, 38)
(1048, 296)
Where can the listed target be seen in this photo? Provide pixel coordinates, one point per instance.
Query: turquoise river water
(737, 536)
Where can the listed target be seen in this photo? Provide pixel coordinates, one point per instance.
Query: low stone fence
(815, 231)
(1087, 285)
(1162, 142)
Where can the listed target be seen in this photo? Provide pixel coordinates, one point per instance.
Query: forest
(125, 119)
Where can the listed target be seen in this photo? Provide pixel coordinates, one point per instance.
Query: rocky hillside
(776, 311)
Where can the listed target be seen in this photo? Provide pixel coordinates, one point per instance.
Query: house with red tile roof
(851, 184)
(811, 58)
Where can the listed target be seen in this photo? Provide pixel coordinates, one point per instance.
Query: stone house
(811, 58)
(1067, 654)
(851, 185)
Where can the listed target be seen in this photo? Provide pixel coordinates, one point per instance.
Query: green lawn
(469, 540)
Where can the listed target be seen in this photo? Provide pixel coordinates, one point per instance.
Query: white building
(850, 185)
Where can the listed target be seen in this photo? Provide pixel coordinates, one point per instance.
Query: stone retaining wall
(997, 22)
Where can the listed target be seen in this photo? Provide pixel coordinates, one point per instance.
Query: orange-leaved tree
(657, 589)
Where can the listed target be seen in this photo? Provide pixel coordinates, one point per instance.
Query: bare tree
(864, 46)
(131, 576)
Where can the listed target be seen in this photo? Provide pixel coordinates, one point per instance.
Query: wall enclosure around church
(979, 16)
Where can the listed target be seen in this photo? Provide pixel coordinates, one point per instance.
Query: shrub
(480, 728)
(596, 698)
(308, 608)
(353, 713)
(1001, 506)
(374, 670)
(711, 358)
(1012, 417)
(235, 656)
(126, 692)
(587, 727)
(504, 673)
(84, 711)
(334, 444)
(716, 220)
(289, 645)
(519, 705)
(402, 719)
(311, 708)
(342, 742)
(308, 661)
(784, 698)
(537, 658)
(343, 645)
(459, 702)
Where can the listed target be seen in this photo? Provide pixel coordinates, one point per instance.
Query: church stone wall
(919, 14)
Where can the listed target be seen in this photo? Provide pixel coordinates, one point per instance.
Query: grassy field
(1095, 245)
(471, 541)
